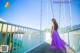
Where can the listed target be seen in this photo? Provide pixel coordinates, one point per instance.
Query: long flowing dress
(57, 43)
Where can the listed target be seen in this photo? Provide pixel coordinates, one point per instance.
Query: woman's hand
(51, 34)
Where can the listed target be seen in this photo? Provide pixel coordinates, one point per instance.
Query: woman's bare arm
(52, 31)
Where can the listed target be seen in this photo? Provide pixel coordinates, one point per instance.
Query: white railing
(20, 39)
(72, 37)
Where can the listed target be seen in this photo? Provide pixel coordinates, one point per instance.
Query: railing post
(78, 44)
(68, 39)
(40, 36)
(13, 45)
(25, 35)
(17, 40)
(20, 39)
(1, 34)
(10, 41)
(5, 40)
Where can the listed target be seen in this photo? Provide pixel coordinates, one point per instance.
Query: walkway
(45, 48)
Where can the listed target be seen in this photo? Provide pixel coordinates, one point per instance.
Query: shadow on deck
(44, 48)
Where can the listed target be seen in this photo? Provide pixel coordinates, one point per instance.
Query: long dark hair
(55, 24)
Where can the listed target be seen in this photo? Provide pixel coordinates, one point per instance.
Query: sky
(27, 13)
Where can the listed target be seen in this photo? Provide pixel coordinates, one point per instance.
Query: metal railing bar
(68, 39)
(10, 41)
(6, 34)
(17, 25)
(20, 40)
(17, 40)
(13, 39)
(24, 39)
(25, 32)
(1, 33)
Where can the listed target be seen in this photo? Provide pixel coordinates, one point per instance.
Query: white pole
(60, 14)
(47, 14)
(52, 8)
(64, 15)
(41, 16)
(70, 14)
(40, 21)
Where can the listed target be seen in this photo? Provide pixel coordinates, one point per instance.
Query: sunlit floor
(68, 49)
(45, 48)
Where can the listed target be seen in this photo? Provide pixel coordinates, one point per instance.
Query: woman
(57, 42)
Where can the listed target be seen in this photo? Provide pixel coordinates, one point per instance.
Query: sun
(7, 4)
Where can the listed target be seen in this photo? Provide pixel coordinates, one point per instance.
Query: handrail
(75, 27)
(18, 25)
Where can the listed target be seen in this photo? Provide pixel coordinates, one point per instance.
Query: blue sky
(27, 13)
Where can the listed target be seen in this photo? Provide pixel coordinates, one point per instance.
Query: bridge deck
(45, 48)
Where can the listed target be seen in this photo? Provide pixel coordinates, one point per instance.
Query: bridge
(22, 39)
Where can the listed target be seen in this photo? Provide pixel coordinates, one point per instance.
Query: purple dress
(57, 42)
